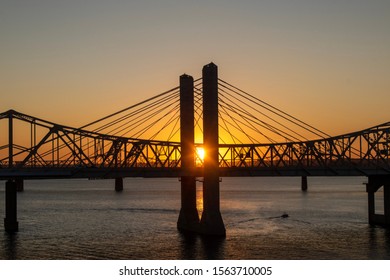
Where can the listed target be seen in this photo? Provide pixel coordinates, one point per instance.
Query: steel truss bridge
(67, 152)
(163, 136)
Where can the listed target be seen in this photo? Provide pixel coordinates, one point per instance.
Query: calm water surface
(82, 219)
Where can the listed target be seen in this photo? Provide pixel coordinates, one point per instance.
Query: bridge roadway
(29, 173)
(363, 153)
(59, 151)
(65, 152)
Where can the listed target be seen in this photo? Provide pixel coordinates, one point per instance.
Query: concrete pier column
(304, 183)
(118, 184)
(188, 217)
(11, 224)
(371, 204)
(211, 221)
(375, 182)
(386, 202)
(19, 185)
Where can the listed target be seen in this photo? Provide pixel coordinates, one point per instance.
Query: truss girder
(367, 150)
(48, 145)
(65, 147)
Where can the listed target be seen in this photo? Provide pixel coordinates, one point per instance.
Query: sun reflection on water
(199, 198)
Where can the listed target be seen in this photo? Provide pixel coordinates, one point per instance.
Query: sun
(200, 152)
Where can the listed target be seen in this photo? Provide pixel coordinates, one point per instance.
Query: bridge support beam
(11, 224)
(211, 222)
(188, 217)
(375, 182)
(118, 184)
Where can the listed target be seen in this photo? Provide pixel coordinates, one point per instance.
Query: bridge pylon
(188, 217)
(211, 222)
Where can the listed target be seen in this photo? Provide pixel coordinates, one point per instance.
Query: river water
(87, 219)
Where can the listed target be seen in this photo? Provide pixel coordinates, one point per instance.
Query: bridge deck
(97, 173)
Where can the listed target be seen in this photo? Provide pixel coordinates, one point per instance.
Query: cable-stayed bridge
(203, 128)
(144, 140)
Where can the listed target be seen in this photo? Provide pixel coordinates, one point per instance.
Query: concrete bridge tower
(188, 217)
(211, 222)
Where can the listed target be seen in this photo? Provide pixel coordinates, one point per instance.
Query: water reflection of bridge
(240, 134)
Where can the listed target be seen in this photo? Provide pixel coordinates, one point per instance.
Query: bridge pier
(11, 224)
(304, 183)
(211, 222)
(375, 182)
(188, 217)
(19, 185)
(118, 184)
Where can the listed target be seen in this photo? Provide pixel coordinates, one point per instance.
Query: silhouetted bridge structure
(241, 136)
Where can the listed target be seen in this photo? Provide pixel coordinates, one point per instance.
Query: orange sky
(325, 62)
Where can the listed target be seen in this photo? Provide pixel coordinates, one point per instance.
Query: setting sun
(200, 152)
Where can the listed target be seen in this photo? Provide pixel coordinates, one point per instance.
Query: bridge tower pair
(211, 222)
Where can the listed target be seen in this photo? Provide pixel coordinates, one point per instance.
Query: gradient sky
(71, 62)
